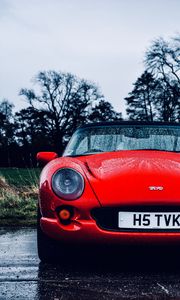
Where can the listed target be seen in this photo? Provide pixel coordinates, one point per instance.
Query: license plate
(149, 220)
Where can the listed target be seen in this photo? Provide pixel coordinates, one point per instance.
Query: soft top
(155, 123)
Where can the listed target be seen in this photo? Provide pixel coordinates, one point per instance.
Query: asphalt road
(127, 274)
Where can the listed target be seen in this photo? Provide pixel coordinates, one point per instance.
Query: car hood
(134, 177)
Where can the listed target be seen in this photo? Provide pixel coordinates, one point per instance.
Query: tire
(49, 250)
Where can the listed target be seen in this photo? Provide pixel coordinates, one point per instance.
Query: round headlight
(68, 184)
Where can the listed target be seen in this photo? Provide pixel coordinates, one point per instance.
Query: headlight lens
(68, 184)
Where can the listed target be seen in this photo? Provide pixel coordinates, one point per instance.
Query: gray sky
(100, 40)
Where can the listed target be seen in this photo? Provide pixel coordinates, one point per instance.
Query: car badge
(156, 188)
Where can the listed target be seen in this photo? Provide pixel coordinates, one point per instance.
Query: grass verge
(18, 196)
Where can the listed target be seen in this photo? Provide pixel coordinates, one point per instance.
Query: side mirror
(44, 157)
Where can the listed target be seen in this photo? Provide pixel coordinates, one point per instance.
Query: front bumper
(87, 232)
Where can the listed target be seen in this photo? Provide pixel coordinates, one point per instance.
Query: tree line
(156, 93)
(61, 102)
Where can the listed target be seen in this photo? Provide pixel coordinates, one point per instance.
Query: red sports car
(116, 183)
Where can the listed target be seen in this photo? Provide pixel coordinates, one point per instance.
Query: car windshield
(97, 139)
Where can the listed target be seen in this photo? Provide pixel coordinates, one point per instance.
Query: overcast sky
(100, 40)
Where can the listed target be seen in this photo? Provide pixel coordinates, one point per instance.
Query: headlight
(68, 184)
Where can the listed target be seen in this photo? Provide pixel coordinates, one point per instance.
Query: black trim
(155, 123)
(107, 217)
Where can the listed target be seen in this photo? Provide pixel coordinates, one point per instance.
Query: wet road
(127, 275)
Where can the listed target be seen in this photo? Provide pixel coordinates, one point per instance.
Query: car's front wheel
(49, 250)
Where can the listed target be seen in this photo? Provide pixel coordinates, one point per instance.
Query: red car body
(124, 180)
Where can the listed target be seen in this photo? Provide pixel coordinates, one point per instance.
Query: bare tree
(156, 93)
(66, 98)
(162, 59)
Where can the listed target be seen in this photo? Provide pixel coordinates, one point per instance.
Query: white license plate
(149, 220)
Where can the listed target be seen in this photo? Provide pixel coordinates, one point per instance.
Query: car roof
(155, 123)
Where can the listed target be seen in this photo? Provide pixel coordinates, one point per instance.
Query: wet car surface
(130, 274)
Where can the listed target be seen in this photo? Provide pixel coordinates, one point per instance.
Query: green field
(18, 196)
